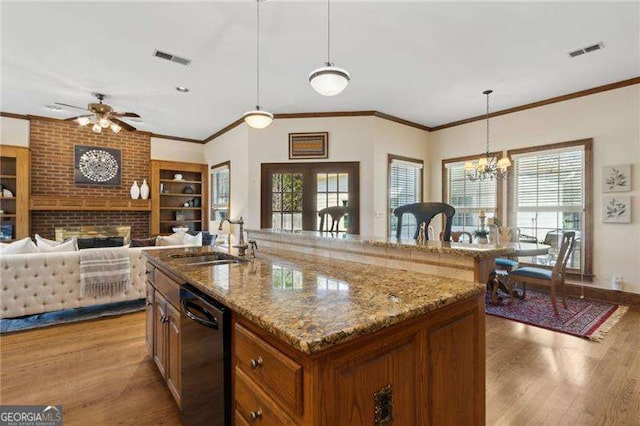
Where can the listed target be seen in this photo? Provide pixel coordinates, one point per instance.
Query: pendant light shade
(258, 119)
(329, 80)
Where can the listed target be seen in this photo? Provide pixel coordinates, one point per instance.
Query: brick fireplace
(52, 155)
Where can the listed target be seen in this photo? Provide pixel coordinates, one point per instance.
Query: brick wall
(45, 223)
(52, 158)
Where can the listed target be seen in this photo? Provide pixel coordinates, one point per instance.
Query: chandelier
(487, 167)
(258, 118)
(329, 80)
(99, 121)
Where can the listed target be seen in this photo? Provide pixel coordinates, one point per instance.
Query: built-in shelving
(14, 176)
(169, 196)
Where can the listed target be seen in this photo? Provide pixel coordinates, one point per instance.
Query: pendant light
(487, 167)
(258, 119)
(329, 80)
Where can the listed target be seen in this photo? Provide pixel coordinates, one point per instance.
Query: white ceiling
(425, 62)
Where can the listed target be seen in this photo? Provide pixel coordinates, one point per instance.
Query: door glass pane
(322, 182)
(332, 182)
(286, 198)
(332, 191)
(344, 182)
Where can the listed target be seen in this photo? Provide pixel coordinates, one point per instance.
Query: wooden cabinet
(424, 371)
(14, 177)
(163, 328)
(169, 195)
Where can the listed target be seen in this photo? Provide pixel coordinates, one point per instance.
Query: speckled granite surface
(313, 303)
(349, 242)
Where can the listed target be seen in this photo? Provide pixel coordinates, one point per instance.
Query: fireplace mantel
(50, 203)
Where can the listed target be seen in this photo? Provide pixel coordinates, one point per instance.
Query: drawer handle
(255, 363)
(255, 415)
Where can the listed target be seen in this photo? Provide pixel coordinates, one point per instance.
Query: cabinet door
(174, 379)
(159, 333)
(150, 320)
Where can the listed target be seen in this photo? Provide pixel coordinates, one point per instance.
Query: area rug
(586, 318)
(29, 322)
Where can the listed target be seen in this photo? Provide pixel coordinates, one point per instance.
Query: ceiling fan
(102, 116)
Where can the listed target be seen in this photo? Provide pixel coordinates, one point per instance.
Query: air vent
(172, 58)
(587, 49)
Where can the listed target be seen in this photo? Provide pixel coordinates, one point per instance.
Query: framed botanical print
(616, 178)
(616, 209)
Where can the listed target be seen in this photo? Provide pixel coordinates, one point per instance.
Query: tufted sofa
(46, 282)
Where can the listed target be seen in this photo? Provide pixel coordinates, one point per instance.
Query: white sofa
(46, 282)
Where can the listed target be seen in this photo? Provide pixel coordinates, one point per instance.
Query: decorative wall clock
(97, 166)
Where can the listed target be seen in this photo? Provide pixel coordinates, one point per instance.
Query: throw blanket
(104, 271)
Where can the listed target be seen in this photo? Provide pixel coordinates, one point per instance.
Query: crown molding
(581, 93)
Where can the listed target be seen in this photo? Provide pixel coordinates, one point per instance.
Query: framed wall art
(308, 145)
(616, 178)
(616, 209)
(97, 166)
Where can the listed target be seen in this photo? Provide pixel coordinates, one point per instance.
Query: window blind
(466, 195)
(405, 187)
(546, 181)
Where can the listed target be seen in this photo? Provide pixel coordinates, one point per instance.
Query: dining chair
(458, 236)
(505, 263)
(553, 278)
(336, 213)
(425, 212)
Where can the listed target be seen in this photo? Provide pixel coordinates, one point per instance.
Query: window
(293, 193)
(469, 197)
(548, 194)
(220, 191)
(405, 187)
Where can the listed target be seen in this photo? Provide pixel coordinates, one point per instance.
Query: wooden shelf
(16, 171)
(48, 203)
(179, 194)
(180, 181)
(8, 177)
(180, 208)
(7, 198)
(7, 215)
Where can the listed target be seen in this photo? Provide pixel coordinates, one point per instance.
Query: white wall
(172, 150)
(612, 119)
(365, 139)
(14, 131)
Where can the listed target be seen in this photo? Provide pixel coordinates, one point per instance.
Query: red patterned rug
(586, 318)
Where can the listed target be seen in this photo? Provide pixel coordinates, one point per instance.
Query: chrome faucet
(242, 246)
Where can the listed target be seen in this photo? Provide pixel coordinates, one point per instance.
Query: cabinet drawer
(269, 368)
(254, 406)
(168, 287)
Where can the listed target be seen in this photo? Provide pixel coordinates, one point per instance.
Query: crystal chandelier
(258, 118)
(487, 167)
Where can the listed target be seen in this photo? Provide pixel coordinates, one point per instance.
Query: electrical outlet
(616, 282)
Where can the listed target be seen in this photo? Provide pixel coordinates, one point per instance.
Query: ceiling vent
(170, 57)
(587, 49)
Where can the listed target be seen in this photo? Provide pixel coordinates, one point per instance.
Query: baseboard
(602, 294)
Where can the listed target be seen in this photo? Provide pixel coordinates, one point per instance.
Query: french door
(293, 193)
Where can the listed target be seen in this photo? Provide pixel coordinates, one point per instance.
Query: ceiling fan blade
(79, 116)
(125, 114)
(122, 124)
(71, 106)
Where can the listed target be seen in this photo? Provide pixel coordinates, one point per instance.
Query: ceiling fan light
(97, 128)
(258, 119)
(329, 80)
(83, 121)
(115, 128)
(103, 122)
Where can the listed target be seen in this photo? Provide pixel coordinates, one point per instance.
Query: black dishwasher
(206, 360)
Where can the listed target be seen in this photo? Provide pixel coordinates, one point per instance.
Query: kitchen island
(319, 341)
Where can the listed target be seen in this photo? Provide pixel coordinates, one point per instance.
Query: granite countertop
(313, 303)
(349, 240)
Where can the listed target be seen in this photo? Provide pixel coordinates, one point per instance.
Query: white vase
(144, 190)
(135, 190)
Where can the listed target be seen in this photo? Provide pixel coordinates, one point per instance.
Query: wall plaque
(97, 166)
(308, 145)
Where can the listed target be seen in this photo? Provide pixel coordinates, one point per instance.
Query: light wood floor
(100, 372)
